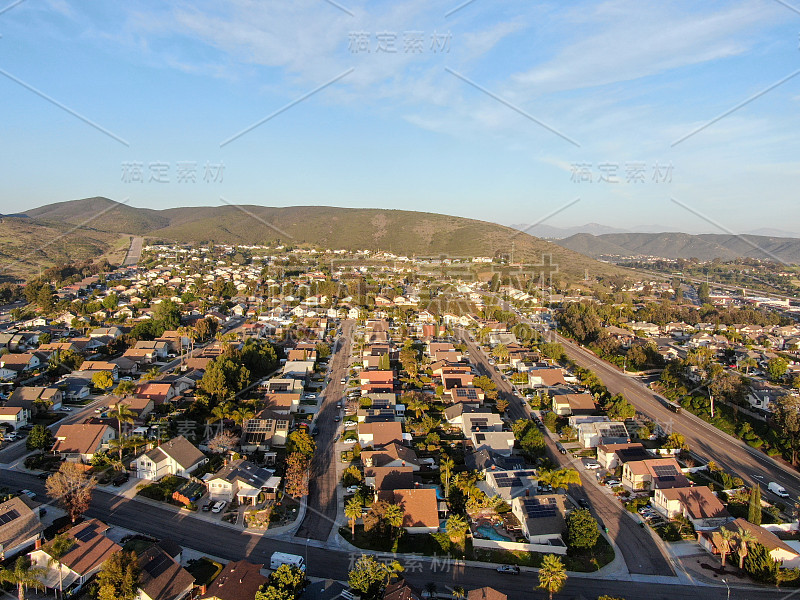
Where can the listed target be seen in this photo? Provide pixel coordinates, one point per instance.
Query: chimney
(38, 543)
(203, 589)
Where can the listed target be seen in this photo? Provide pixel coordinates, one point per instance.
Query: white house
(175, 457)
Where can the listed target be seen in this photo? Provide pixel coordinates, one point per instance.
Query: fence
(518, 547)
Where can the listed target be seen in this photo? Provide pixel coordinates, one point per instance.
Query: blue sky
(501, 111)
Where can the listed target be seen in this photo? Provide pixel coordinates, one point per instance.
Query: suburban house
(283, 402)
(778, 549)
(479, 421)
(91, 548)
(389, 477)
(175, 457)
(80, 442)
(14, 416)
(574, 404)
(592, 433)
(541, 518)
(500, 442)
(510, 484)
(298, 369)
(239, 580)
(282, 385)
(160, 349)
(75, 386)
(36, 398)
(242, 480)
(486, 593)
(420, 508)
(376, 381)
(157, 391)
(697, 503)
(610, 456)
(19, 363)
(267, 428)
(20, 526)
(399, 589)
(390, 455)
(161, 577)
(90, 367)
(379, 433)
(653, 473)
(139, 405)
(548, 377)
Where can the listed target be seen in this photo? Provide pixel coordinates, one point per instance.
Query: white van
(777, 489)
(282, 558)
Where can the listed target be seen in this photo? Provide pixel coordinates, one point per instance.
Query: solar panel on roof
(664, 470)
(86, 534)
(158, 565)
(535, 510)
(8, 516)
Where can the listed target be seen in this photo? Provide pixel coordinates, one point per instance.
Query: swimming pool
(492, 534)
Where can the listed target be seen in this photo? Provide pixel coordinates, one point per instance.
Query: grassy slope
(403, 232)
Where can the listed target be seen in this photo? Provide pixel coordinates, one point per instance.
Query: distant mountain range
(99, 226)
(548, 231)
(705, 246)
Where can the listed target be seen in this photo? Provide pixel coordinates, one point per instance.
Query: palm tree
(458, 593)
(725, 544)
(153, 373)
(456, 527)
(240, 415)
(56, 550)
(446, 466)
(394, 516)
(22, 575)
(221, 412)
(743, 538)
(552, 575)
(563, 478)
(352, 510)
(123, 414)
(417, 405)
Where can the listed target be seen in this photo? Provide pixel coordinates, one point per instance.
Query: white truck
(777, 489)
(282, 558)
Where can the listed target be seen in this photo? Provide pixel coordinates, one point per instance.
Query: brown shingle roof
(81, 438)
(19, 523)
(699, 501)
(161, 578)
(419, 504)
(239, 580)
(86, 556)
(486, 593)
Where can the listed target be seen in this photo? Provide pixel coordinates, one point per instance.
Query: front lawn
(204, 570)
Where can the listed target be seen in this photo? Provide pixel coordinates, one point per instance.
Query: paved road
(322, 503)
(706, 440)
(134, 252)
(230, 544)
(642, 553)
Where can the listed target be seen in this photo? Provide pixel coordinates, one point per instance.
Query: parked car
(120, 479)
(206, 507)
(584, 503)
(315, 431)
(349, 441)
(337, 418)
(219, 506)
(28, 493)
(509, 569)
(592, 464)
(613, 483)
(66, 409)
(352, 489)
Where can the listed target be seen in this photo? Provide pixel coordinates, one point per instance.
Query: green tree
(552, 575)
(744, 539)
(300, 440)
(787, 419)
(22, 575)
(488, 386)
(352, 510)
(502, 405)
(383, 362)
(352, 476)
(369, 577)
(56, 550)
(456, 527)
(124, 388)
(676, 441)
(123, 414)
(118, 578)
(285, 583)
(103, 380)
(776, 368)
(446, 466)
(71, 488)
(582, 529)
(40, 438)
(167, 315)
(323, 350)
(754, 506)
(760, 565)
(297, 475)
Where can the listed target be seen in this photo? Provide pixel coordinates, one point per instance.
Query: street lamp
(725, 581)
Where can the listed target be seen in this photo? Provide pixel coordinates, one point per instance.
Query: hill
(705, 246)
(402, 232)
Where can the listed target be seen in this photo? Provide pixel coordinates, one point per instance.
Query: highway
(230, 544)
(642, 553)
(322, 502)
(731, 454)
